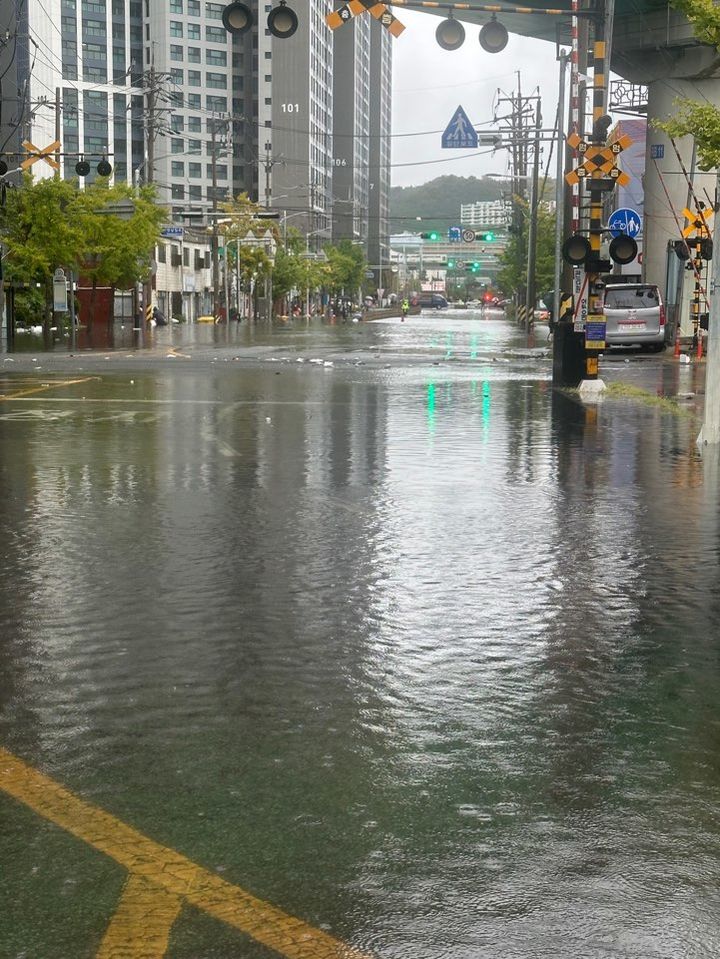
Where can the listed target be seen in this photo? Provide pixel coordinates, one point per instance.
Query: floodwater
(409, 646)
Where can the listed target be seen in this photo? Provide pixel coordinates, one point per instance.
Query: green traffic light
(434, 235)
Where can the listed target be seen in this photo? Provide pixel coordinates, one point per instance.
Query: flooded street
(371, 623)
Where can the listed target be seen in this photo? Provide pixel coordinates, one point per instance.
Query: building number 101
(291, 108)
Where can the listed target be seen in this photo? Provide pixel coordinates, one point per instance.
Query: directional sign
(454, 234)
(38, 154)
(460, 133)
(625, 221)
(468, 236)
(176, 231)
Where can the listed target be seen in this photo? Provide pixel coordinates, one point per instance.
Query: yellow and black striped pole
(698, 264)
(595, 325)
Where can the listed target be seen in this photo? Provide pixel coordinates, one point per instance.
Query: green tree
(346, 267)
(51, 223)
(512, 275)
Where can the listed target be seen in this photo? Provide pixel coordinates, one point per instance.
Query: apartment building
(167, 95)
(486, 213)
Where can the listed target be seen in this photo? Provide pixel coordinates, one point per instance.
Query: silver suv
(634, 316)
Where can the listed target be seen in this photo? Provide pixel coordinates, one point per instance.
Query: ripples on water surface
(428, 659)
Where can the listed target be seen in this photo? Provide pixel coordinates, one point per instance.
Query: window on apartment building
(215, 35)
(176, 6)
(95, 74)
(186, 256)
(177, 76)
(118, 8)
(214, 11)
(195, 170)
(177, 191)
(215, 81)
(194, 101)
(93, 28)
(94, 6)
(176, 28)
(193, 8)
(161, 255)
(177, 168)
(195, 192)
(193, 31)
(177, 123)
(217, 58)
(177, 146)
(193, 54)
(194, 78)
(194, 146)
(238, 82)
(221, 171)
(217, 104)
(194, 125)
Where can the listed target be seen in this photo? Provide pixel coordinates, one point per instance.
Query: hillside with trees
(438, 202)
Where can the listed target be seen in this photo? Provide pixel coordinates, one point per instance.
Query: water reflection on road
(422, 654)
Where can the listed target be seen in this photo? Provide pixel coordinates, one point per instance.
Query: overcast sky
(429, 83)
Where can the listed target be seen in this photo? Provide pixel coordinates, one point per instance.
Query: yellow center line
(144, 919)
(163, 870)
(45, 387)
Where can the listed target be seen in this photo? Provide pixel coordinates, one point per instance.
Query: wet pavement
(366, 622)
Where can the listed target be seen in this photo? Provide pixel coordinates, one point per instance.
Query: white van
(634, 316)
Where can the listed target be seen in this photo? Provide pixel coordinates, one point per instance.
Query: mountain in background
(438, 202)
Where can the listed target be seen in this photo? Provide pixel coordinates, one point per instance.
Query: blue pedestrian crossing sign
(625, 222)
(460, 133)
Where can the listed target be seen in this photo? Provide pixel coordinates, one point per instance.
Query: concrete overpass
(653, 45)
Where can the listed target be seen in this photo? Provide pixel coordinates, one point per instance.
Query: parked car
(430, 301)
(634, 315)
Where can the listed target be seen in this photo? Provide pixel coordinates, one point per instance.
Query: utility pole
(531, 293)
(58, 112)
(215, 239)
(710, 432)
(149, 176)
(559, 191)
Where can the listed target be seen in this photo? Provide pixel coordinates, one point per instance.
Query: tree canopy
(51, 223)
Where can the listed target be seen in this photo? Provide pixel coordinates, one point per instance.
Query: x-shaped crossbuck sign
(378, 10)
(38, 154)
(699, 221)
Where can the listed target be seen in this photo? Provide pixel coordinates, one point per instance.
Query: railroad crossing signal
(37, 154)
(598, 161)
(698, 222)
(376, 9)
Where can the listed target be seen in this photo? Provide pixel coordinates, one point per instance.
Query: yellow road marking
(45, 387)
(141, 926)
(167, 875)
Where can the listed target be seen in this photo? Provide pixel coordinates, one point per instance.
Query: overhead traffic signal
(431, 235)
(487, 237)
(451, 264)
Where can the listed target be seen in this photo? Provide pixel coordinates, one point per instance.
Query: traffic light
(473, 267)
(487, 237)
(432, 235)
(451, 264)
